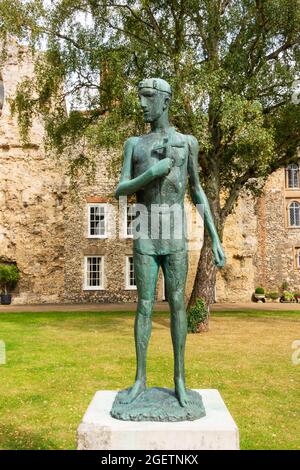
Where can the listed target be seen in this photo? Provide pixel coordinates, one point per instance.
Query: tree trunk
(205, 280)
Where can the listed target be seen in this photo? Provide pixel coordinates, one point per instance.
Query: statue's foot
(138, 388)
(181, 393)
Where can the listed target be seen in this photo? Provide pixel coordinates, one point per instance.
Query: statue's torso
(169, 189)
(164, 194)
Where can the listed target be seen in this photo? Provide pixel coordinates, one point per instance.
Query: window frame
(85, 276)
(89, 206)
(289, 214)
(127, 274)
(126, 235)
(297, 171)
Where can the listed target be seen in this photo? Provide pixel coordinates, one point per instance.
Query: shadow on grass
(256, 313)
(85, 321)
(13, 438)
(162, 321)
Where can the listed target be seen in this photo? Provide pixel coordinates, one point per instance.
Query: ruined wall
(31, 198)
(44, 230)
(42, 227)
(235, 282)
(275, 258)
(259, 244)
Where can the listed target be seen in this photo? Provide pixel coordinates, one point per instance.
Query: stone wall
(275, 258)
(235, 282)
(31, 199)
(259, 244)
(44, 229)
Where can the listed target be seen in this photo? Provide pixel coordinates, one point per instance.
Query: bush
(284, 286)
(288, 296)
(197, 316)
(272, 295)
(259, 290)
(9, 276)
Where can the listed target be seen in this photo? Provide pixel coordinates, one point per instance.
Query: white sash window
(97, 220)
(93, 273)
(294, 214)
(292, 176)
(130, 278)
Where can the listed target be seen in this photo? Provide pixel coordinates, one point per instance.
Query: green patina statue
(156, 167)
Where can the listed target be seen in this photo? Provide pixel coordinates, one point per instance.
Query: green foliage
(232, 67)
(196, 315)
(259, 290)
(284, 286)
(272, 295)
(288, 296)
(9, 276)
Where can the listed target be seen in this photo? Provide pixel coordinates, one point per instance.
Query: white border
(127, 276)
(85, 286)
(288, 214)
(291, 188)
(125, 224)
(100, 204)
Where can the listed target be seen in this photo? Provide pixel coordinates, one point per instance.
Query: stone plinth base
(99, 431)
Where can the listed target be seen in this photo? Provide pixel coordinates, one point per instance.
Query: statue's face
(153, 103)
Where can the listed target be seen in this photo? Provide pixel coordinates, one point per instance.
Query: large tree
(233, 66)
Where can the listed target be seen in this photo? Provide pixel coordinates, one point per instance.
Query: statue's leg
(175, 271)
(146, 269)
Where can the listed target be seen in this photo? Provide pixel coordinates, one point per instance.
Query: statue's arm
(199, 197)
(128, 185)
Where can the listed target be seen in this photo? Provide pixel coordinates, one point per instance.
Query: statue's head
(155, 96)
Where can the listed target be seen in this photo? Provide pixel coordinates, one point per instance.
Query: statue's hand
(163, 167)
(219, 255)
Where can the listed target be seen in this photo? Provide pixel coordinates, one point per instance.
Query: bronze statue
(156, 168)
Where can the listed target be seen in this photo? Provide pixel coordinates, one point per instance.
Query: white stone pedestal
(99, 431)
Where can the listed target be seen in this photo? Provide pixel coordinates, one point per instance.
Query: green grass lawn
(56, 362)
